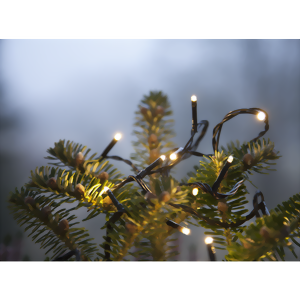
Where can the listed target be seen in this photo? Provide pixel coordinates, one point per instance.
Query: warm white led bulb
(195, 191)
(173, 156)
(230, 159)
(208, 240)
(118, 136)
(261, 116)
(194, 98)
(186, 231)
(163, 157)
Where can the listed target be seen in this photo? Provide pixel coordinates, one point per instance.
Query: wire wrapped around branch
(218, 223)
(232, 114)
(264, 208)
(131, 178)
(207, 189)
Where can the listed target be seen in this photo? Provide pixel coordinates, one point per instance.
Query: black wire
(115, 217)
(128, 162)
(232, 114)
(68, 255)
(264, 208)
(207, 189)
(214, 222)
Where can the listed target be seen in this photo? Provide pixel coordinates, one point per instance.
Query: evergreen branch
(270, 233)
(29, 205)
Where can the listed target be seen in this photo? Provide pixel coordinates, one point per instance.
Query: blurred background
(87, 90)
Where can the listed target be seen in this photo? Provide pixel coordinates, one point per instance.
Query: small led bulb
(194, 98)
(261, 116)
(195, 191)
(230, 159)
(105, 189)
(173, 156)
(208, 240)
(118, 136)
(163, 157)
(186, 231)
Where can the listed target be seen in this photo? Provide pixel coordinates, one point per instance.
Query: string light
(187, 151)
(208, 240)
(185, 230)
(210, 249)
(146, 171)
(195, 191)
(116, 138)
(194, 113)
(261, 116)
(175, 154)
(222, 173)
(114, 200)
(180, 228)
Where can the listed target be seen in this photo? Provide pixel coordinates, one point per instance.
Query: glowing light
(105, 189)
(186, 231)
(118, 136)
(261, 116)
(194, 98)
(173, 156)
(230, 159)
(195, 191)
(208, 240)
(163, 157)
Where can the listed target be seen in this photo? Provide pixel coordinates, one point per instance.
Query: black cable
(68, 255)
(232, 114)
(127, 161)
(115, 217)
(264, 208)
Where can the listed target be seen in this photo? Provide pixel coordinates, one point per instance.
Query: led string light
(222, 173)
(114, 200)
(116, 138)
(179, 154)
(194, 113)
(210, 249)
(180, 228)
(190, 148)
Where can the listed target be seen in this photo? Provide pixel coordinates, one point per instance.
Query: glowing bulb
(230, 159)
(163, 157)
(208, 240)
(261, 116)
(186, 231)
(118, 136)
(195, 191)
(194, 98)
(173, 156)
(105, 189)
